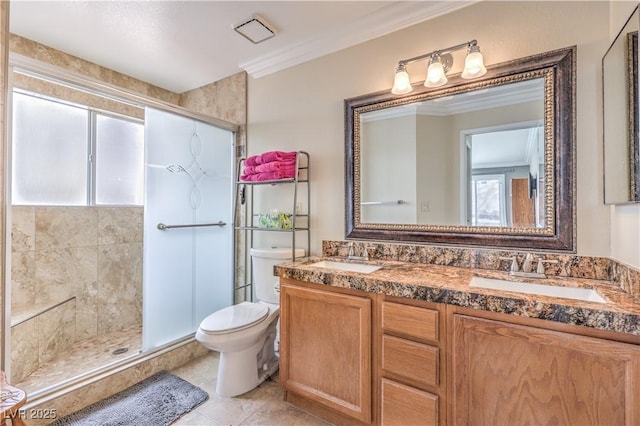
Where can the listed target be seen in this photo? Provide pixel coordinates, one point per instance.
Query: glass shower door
(188, 270)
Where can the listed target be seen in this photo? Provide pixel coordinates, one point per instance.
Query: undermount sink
(586, 294)
(344, 266)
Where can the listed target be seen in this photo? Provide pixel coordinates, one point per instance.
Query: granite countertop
(450, 285)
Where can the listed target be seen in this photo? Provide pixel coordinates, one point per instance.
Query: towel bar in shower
(162, 226)
(382, 203)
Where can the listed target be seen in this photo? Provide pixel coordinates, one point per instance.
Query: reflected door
(188, 271)
(522, 205)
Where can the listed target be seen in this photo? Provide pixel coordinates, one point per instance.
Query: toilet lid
(234, 317)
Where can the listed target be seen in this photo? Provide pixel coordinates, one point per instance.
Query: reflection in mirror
(485, 147)
(488, 162)
(620, 121)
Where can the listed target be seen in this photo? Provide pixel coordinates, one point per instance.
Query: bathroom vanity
(414, 343)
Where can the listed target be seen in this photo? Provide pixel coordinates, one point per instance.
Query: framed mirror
(620, 116)
(486, 162)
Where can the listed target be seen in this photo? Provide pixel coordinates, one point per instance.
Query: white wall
(302, 107)
(625, 219)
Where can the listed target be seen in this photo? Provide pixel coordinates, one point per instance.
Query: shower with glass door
(188, 232)
(95, 279)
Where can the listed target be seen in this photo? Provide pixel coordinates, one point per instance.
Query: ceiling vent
(255, 29)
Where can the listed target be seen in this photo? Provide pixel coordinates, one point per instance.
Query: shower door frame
(34, 68)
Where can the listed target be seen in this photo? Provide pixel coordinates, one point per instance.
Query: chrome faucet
(541, 262)
(527, 266)
(352, 256)
(514, 264)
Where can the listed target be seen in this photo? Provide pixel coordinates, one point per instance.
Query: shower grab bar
(382, 203)
(162, 226)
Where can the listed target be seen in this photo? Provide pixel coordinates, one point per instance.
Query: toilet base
(241, 371)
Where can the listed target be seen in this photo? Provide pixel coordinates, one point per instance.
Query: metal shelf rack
(300, 222)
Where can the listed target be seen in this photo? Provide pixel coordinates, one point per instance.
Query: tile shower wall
(80, 268)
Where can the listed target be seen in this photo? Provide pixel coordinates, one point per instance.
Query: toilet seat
(234, 318)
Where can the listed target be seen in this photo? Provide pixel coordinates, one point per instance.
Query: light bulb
(401, 82)
(473, 64)
(435, 74)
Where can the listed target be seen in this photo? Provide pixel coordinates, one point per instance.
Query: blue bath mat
(155, 401)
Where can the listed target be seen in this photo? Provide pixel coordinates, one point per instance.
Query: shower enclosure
(188, 235)
(95, 285)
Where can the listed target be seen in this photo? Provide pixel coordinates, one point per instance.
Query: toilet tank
(263, 261)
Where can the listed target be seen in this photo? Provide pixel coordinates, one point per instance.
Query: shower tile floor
(83, 357)
(263, 405)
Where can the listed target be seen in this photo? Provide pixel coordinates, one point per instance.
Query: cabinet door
(512, 374)
(325, 349)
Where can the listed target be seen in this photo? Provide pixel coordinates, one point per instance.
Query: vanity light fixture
(440, 62)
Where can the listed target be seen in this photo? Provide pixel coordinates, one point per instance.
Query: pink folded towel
(252, 161)
(270, 156)
(274, 175)
(270, 167)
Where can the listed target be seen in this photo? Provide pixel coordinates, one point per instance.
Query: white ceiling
(182, 45)
(505, 148)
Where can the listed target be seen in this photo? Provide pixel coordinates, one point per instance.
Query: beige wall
(435, 161)
(625, 219)
(310, 117)
(379, 162)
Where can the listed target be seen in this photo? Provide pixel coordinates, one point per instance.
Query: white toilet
(245, 334)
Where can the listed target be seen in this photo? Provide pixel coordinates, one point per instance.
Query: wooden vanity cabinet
(353, 357)
(517, 372)
(325, 351)
(411, 362)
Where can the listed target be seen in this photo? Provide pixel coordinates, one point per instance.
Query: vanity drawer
(421, 323)
(404, 405)
(415, 362)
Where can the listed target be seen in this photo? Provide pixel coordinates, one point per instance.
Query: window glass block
(49, 152)
(119, 161)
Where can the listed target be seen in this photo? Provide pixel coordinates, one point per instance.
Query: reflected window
(66, 154)
(487, 201)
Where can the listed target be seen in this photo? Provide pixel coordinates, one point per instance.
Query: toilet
(246, 334)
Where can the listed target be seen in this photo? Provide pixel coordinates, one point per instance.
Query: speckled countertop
(450, 285)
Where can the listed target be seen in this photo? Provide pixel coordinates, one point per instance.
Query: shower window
(119, 173)
(66, 154)
(49, 152)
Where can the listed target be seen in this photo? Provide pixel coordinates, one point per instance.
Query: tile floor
(261, 406)
(84, 357)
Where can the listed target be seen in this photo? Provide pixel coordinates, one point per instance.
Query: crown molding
(386, 20)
